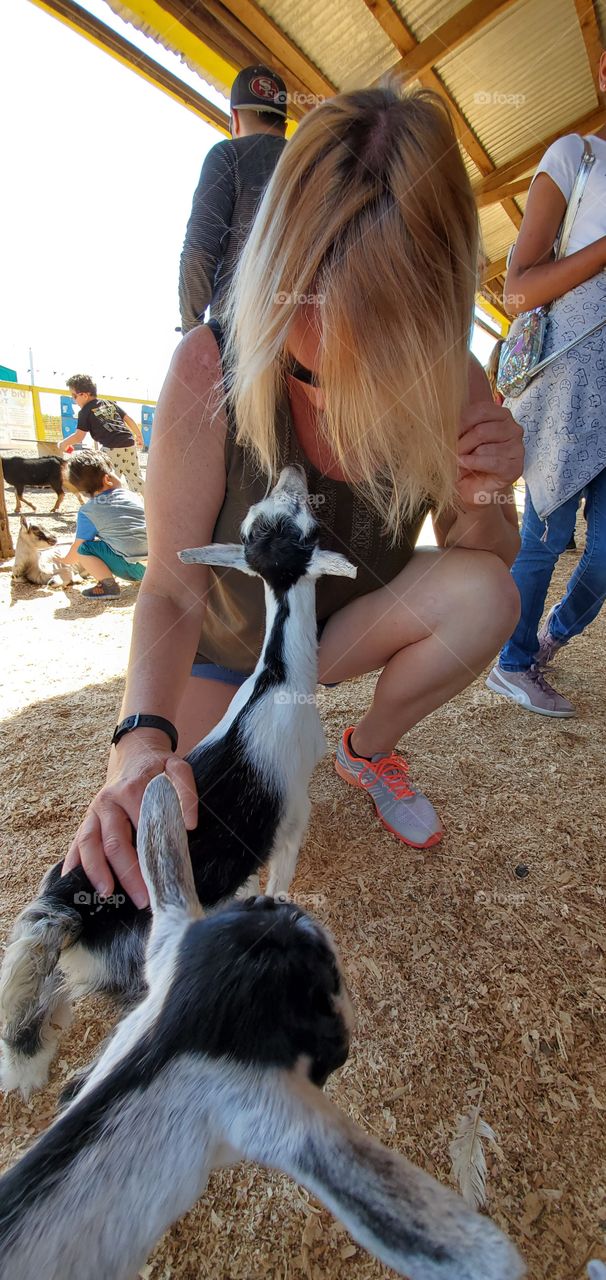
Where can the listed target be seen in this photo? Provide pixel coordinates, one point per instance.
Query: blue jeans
(534, 566)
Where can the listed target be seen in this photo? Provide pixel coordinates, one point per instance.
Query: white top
(561, 161)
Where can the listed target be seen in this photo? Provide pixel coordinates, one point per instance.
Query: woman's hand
(104, 841)
(491, 452)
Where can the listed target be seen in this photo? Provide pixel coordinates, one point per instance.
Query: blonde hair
(370, 218)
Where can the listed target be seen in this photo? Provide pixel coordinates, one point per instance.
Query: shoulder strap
(576, 195)
(217, 331)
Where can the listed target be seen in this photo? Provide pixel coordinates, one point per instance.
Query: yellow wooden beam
(155, 20)
(97, 33)
(463, 24)
(528, 159)
(63, 391)
(590, 31)
(499, 318)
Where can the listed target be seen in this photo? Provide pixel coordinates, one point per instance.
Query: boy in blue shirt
(111, 538)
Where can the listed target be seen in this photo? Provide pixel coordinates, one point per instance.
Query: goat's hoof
(26, 1075)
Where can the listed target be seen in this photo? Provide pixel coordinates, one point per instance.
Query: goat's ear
(163, 850)
(227, 555)
(400, 1214)
(330, 562)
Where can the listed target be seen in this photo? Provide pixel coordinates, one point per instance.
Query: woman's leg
(586, 590)
(431, 632)
(532, 573)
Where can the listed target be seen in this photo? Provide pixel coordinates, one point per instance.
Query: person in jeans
(336, 363)
(562, 412)
(234, 176)
(109, 426)
(111, 538)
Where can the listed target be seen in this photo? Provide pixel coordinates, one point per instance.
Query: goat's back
(45, 472)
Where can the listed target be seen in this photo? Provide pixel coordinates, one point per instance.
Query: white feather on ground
(468, 1159)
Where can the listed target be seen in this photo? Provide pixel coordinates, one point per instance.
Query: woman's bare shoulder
(197, 356)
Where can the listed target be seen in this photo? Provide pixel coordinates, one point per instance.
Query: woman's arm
(491, 457)
(185, 489)
(533, 278)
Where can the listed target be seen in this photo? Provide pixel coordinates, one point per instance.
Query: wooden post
(7, 549)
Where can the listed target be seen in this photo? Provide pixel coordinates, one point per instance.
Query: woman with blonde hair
(346, 351)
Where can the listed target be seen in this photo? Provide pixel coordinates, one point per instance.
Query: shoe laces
(536, 674)
(392, 771)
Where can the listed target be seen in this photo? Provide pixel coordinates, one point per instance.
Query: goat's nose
(293, 480)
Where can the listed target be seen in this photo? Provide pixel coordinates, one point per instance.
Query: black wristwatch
(146, 722)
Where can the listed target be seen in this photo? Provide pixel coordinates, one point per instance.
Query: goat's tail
(34, 1006)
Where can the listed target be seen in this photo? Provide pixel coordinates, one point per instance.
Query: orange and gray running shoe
(403, 810)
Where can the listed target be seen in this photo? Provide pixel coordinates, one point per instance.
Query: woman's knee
(489, 596)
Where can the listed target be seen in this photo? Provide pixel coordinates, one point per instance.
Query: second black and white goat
(246, 1014)
(252, 775)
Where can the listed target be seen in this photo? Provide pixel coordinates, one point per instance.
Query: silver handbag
(520, 358)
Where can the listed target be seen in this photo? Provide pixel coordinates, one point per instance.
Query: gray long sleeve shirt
(234, 176)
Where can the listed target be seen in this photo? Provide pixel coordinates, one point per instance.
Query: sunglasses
(302, 373)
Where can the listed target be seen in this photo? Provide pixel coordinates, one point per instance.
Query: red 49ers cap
(259, 89)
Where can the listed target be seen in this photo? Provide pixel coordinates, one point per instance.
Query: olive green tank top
(234, 619)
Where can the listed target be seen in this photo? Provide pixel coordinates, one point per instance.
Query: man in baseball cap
(259, 89)
(234, 176)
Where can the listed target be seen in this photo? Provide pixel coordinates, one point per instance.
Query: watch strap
(140, 721)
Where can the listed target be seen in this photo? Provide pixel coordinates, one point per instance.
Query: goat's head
(280, 538)
(257, 982)
(35, 535)
(256, 989)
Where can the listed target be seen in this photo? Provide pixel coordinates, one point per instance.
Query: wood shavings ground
(467, 981)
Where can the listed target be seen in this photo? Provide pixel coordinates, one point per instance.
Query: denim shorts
(226, 675)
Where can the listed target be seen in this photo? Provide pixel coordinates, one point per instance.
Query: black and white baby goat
(252, 774)
(245, 1015)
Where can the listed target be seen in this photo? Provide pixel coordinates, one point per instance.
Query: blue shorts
(121, 567)
(226, 675)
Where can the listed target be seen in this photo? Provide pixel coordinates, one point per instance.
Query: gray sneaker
(548, 645)
(531, 690)
(402, 809)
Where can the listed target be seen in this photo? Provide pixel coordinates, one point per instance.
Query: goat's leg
(20, 499)
(288, 840)
(34, 1006)
(250, 889)
(59, 500)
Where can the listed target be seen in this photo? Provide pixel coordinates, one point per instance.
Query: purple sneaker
(531, 690)
(548, 645)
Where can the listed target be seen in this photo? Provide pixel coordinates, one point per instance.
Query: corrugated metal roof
(342, 38)
(498, 232)
(424, 16)
(523, 77)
